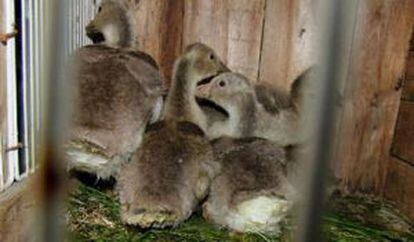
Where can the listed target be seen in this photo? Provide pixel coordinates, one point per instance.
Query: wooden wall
(266, 40)
(372, 95)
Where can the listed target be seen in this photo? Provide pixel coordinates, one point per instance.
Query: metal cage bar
(319, 116)
(12, 140)
(34, 30)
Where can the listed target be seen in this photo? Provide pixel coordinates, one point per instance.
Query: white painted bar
(11, 156)
(80, 12)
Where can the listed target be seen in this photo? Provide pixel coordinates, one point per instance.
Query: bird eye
(212, 57)
(99, 9)
(222, 83)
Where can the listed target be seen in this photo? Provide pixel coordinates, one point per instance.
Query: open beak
(222, 68)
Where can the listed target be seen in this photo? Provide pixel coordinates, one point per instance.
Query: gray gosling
(117, 92)
(254, 110)
(114, 23)
(171, 172)
(252, 192)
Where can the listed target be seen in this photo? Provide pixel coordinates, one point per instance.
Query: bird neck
(181, 103)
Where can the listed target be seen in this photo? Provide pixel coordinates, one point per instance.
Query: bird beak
(203, 90)
(223, 68)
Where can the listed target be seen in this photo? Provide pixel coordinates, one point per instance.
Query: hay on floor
(93, 216)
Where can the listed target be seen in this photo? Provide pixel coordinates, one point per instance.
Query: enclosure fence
(25, 76)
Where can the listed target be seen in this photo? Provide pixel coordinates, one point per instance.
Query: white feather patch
(261, 214)
(157, 110)
(111, 33)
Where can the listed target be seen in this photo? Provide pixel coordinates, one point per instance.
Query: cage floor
(93, 216)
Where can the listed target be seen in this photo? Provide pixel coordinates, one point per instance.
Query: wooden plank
(303, 38)
(404, 133)
(244, 36)
(172, 30)
(277, 42)
(408, 90)
(159, 28)
(149, 17)
(287, 40)
(207, 22)
(233, 28)
(371, 100)
(410, 66)
(399, 186)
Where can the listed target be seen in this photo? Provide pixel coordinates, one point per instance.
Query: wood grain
(287, 41)
(410, 66)
(399, 186)
(244, 37)
(159, 28)
(371, 100)
(172, 30)
(404, 133)
(277, 46)
(207, 22)
(233, 28)
(149, 19)
(408, 90)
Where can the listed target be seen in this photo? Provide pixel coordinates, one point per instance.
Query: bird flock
(213, 138)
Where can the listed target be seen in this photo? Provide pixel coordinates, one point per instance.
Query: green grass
(93, 215)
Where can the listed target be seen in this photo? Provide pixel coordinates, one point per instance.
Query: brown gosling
(252, 192)
(114, 23)
(117, 92)
(171, 172)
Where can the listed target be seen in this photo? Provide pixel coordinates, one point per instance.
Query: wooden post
(399, 186)
(371, 99)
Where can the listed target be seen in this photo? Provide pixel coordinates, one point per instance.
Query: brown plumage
(117, 91)
(173, 168)
(251, 193)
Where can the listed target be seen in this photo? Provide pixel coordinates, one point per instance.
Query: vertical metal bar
(11, 156)
(32, 51)
(78, 24)
(55, 120)
(69, 16)
(87, 15)
(90, 14)
(38, 111)
(84, 8)
(319, 117)
(81, 23)
(72, 21)
(39, 90)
